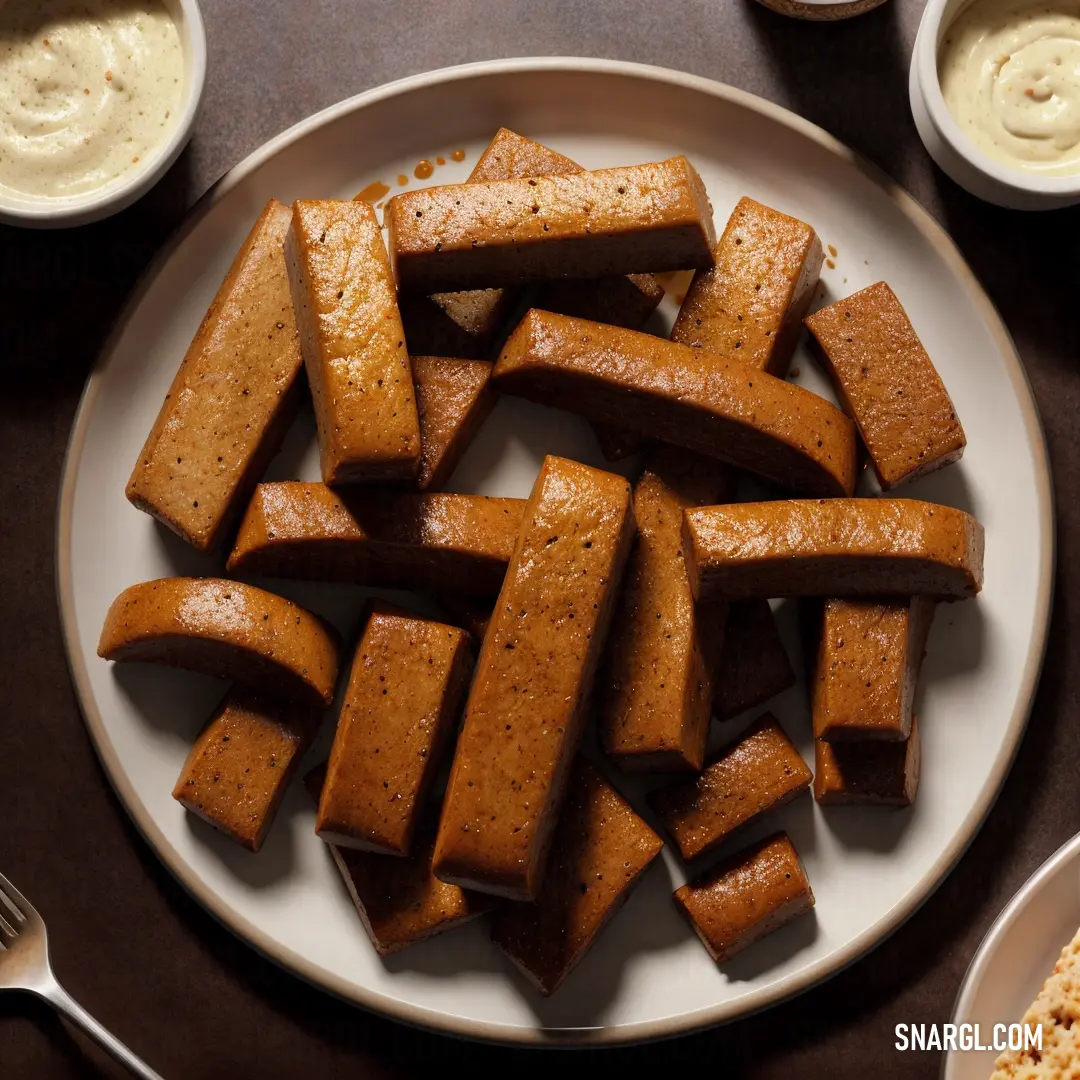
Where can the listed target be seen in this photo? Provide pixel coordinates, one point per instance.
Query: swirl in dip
(1010, 75)
(89, 90)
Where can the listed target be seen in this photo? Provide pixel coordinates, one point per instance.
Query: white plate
(1016, 956)
(647, 975)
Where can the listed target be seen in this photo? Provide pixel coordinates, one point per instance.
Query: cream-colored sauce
(88, 91)
(1010, 75)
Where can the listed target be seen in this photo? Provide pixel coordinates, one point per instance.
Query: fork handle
(60, 999)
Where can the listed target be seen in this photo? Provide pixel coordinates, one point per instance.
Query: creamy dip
(1010, 75)
(88, 90)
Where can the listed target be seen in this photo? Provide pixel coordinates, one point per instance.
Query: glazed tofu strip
(237, 772)
(746, 896)
(750, 304)
(400, 901)
(688, 397)
(465, 323)
(600, 851)
(637, 219)
(868, 658)
(654, 691)
(834, 547)
(234, 396)
(888, 384)
(353, 343)
(366, 536)
(407, 683)
(526, 708)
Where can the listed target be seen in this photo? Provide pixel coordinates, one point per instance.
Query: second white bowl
(955, 154)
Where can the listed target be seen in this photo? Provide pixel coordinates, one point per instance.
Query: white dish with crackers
(660, 145)
(1027, 971)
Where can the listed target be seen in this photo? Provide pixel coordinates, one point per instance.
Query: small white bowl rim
(1000, 927)
(926, 61)
(95, 205)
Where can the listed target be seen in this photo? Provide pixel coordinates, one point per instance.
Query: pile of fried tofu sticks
(644, 607)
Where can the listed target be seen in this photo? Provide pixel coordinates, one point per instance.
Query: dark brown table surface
(127, 940)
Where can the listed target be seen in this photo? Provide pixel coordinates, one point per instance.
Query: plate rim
(641, 1031)
(991, 940)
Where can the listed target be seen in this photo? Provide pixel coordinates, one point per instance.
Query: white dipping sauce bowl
(66, 211)
(959, 158)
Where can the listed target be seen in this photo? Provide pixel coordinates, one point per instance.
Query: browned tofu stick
(407, 684)
(833, 547)
(888, 384)
(435, 322)
(747, 896)
(622, 301)
(684, 396)
(868, 659)
(400, 901)
(750, 304)
(228, 629)
(638, 219)
(754, 665)
(237, 772)
(454, 398)
(465, 323)
(367, 537)
(600, 850)
(353, 343)
(526, 709)
(759, 772)
(871, 772)
(654, 689)
(232, 399)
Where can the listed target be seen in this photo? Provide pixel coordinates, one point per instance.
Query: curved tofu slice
(227, 629)
(366, 537)
(681, 395)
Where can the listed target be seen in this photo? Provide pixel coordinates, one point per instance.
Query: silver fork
(24, 965)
